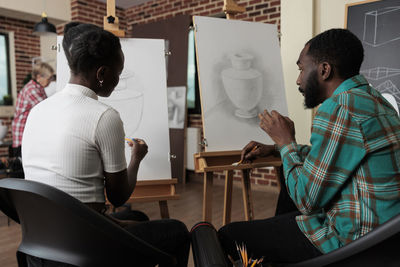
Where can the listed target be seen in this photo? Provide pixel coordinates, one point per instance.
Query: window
(193, 96)
(5, 82)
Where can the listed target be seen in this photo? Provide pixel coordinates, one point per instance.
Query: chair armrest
(376, 236)
(207, 250)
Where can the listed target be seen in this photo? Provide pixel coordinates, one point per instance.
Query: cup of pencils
(244, 259)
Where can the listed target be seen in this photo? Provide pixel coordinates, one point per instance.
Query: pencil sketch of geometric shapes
(176, 106)
(380, 26)
(390, 88)
(380, 73)
(390, 98)
(243, 85)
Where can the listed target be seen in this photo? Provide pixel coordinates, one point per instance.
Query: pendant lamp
(44, 27)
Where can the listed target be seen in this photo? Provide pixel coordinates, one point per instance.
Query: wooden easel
(210, 162)
(231, 8)
(159, 190)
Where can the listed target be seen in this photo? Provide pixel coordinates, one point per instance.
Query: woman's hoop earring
(101, 83)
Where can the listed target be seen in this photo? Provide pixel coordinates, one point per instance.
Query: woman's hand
(139, 149)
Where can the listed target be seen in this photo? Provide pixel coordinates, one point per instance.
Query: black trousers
(168, 235)
(277, 239)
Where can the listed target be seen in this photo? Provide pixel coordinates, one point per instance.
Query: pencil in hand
(241, 161)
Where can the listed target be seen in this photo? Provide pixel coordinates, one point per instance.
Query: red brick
(262, 182)
(276, 15)
(276, 3)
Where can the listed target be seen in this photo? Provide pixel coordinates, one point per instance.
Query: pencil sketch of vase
(128, 102)
(243, 85)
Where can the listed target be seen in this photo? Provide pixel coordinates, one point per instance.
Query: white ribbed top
(70, 139)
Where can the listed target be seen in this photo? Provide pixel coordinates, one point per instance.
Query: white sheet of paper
(240, 75)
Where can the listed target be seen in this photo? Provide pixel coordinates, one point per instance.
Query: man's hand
(278, 127)
(255, 150)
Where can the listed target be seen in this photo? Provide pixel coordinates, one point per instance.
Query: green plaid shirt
(348, 181)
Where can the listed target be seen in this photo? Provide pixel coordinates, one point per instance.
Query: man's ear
(325, 70)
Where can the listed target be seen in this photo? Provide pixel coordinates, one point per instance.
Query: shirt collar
(76, 89)
(35, 83)
(355, 81)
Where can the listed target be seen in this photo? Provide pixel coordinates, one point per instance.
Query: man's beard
(312, 91)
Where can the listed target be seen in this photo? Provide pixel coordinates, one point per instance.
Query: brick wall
(256, 10)
(26, 46)
(92, 11)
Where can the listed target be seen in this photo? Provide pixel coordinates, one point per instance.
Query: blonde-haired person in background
(30, 95)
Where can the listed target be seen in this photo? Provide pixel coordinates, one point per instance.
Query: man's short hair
(42, 69)
(340, 48)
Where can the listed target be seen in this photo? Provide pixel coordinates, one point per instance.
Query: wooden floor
(188, 209)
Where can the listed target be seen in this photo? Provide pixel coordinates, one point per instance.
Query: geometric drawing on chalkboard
(380, 26)
(380, 73)
(389, 87)
(390, 98)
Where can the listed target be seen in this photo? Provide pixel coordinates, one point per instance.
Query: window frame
(8, 55)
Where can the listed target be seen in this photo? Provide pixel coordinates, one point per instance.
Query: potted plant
(7, 100)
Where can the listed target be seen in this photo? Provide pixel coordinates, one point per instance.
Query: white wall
(296, 29)
(47, 54)
(300, 21)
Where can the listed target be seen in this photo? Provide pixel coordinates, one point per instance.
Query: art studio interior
(199, 132)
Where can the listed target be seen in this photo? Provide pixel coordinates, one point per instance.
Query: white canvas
(240, 75)
(141, 99)
(176, 107)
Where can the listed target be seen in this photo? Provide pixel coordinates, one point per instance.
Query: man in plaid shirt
(348, 181)
(29, 96)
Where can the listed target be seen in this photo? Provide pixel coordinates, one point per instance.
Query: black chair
(377, 248)
(59, 230)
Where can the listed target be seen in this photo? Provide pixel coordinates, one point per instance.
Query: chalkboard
(377, 25)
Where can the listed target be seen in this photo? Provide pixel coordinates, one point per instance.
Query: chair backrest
(58, 227)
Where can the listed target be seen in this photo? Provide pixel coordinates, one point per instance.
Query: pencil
(232, 261)
(129, 140)
(239, 252)
(240, 161)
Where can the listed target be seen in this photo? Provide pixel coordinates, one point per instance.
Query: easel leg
(227, 197)
(247, 199)
(207, 196)
(164, 209)
(279, 176)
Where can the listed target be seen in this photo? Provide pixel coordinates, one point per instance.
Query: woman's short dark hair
(339, 47)
(87, 46)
